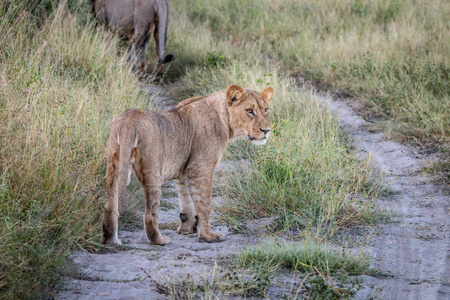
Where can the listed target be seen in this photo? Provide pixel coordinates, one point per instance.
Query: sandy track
(414, 249)
(139, 270)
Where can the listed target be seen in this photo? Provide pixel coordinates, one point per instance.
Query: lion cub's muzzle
(260, 139)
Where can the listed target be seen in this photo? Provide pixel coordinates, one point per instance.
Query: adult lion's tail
(126, 143)
(163, 23)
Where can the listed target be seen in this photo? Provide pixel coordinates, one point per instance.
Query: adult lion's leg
(139, 48)
(141, 37)
(200, 187)
(151, 184)
(187, 212)
(111, 212)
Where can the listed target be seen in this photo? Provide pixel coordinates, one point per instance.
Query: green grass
(306, 170)
(314, 269)
(61, 85)
(391, 54)
(306, 257)
(328, 272)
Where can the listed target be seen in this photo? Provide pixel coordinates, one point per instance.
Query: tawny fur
(137, 20)
(184, 143)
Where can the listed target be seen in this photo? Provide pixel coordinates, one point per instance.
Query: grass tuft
(305, 256)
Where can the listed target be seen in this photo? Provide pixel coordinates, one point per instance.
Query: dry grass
(60, 86)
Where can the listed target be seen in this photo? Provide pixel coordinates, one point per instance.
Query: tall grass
(391, 54)
(60, 86)
(306, 172)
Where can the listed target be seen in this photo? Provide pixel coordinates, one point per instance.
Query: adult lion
(137, 20)
(184, 143)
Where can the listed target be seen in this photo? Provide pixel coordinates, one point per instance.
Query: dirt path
(414, 249)
(140, 270)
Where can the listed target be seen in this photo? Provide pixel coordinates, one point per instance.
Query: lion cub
(184, 143)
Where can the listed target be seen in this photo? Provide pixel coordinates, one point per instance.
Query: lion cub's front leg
(200, 187)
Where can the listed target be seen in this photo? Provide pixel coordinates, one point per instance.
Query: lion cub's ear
(267, 94)
(234, 94)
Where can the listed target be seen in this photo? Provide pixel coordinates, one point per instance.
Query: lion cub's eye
(250, 111)
(266, 110)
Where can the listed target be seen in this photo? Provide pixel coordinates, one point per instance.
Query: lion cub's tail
(127, 141)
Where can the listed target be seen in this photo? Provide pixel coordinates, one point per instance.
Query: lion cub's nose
(265, 130)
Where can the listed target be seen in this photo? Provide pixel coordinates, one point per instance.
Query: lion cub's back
(132, 116)
(135, 120)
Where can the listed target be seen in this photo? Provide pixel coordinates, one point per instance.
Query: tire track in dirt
(414, 248)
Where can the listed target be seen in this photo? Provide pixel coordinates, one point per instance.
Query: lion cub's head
(249, 113)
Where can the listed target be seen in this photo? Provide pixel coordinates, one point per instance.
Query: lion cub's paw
(187, 225)
(184, 228)
(161, 240)
(212, 238)
(112, 241)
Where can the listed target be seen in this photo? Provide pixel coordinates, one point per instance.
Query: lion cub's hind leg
(151, 184)
(188, 219)
(111, 212)
(152, 201)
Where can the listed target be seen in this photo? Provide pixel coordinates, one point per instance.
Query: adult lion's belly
(120, 17)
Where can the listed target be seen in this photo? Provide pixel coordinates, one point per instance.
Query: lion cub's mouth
(255, 141)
